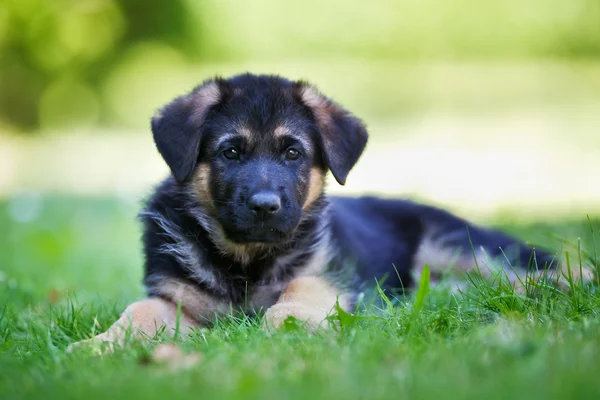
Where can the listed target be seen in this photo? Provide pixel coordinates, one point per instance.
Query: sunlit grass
(69, 270)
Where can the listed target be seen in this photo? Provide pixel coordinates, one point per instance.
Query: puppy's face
(259, 169)
(255, 149)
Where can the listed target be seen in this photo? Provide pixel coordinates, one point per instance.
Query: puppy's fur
(243, 223)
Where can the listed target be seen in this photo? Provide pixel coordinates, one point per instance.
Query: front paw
(103, 343)
(310, 317)
(99, 344)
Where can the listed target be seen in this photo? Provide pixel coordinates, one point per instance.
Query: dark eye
(231, 154)
(292, 154)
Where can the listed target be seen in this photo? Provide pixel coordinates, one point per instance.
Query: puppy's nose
(264, 204)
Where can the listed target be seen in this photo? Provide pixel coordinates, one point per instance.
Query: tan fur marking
(319, 104)
(322, 108)
(207, 96)
(441, 260)
(201, 185)
(561, 277)
(196, 304)
(577, 273)
(310, 299)
(281, 131)
(266, 295)
(143, 319)
(247, 134)
(311, 291)
(315, 186)
(444, 261)
(316, 264)
(242, 253)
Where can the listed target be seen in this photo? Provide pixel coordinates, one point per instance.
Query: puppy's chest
(254, 294)
(262, 290)
(260, 284)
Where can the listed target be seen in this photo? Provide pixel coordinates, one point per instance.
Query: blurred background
(488, 108)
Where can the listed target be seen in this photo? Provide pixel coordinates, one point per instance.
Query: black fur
(177, 131)
(220, 244)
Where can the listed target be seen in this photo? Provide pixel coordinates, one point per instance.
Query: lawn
(66, 261)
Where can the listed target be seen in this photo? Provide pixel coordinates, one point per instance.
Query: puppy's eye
(292, 154)
(231, 154)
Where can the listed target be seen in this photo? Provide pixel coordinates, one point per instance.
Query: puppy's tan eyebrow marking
(241, 133)
(282, 132)
(245, 133)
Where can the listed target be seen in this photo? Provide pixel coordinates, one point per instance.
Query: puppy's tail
(450, 244)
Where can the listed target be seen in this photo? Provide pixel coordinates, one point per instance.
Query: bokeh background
(488, 108)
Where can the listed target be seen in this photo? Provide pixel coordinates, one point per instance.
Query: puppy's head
(255, 150)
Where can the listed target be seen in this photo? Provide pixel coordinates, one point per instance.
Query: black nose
(264, 204)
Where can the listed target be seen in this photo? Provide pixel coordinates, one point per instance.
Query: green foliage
(62, 61)
(422, 292)
(61, 51)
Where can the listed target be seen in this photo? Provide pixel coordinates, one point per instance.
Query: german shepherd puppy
(243, 222)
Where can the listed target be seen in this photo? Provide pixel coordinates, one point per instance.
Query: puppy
(243, 224)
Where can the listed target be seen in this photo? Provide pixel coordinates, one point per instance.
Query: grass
(72, 260)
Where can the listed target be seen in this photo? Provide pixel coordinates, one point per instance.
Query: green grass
(74, 260)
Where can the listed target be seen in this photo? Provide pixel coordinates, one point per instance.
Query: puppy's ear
(177, 128)
(343, 136)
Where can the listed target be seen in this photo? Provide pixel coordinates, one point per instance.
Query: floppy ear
(177, 128)
(343, 136)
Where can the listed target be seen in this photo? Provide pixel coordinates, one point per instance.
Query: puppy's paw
(101, 344)
(311, 318)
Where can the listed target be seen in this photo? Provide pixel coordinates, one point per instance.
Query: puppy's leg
(147, 317)
(144, 319)
(309, 299)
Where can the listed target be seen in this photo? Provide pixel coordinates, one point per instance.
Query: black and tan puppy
(243, 223)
